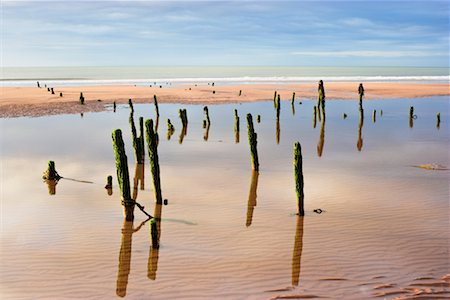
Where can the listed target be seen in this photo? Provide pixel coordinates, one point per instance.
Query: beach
(34, 101)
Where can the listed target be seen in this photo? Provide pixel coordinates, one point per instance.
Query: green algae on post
(252, 140)
(152, 145)
(137, 144)
(130, 103)
(50, 173)
(298, 177)
(170, 129)
(122, 174)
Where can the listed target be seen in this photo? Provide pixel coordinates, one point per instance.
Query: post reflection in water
(277, 132)
(297, 254)
(153, 255)
(182, 134)
(51, 184)
(125, 256)
(138, 180)
(252, 198)
(359, 144)
(206, 134)
(322, 138)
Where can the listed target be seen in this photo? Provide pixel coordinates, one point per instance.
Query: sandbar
(34, 101)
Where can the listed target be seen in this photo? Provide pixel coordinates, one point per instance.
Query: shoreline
(36, 102)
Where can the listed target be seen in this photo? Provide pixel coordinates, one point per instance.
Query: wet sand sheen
(235, 236)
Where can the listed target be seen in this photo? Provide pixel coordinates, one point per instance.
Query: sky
(225, 33)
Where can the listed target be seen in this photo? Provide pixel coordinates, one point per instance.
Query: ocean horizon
(130, 75)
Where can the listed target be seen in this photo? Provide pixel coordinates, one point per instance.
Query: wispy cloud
(369, 53)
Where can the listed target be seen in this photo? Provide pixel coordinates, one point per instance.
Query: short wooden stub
(81, 99)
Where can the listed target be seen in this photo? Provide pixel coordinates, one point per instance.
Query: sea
(145, 75)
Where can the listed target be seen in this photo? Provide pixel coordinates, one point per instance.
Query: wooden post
(130, 103)
(114, 106)
(293, 98)
(108, 185)
(344, 116)
(137, 144)
(374, 116)
(170, 129)
(361, 93)
(122, 174)
(205, 110)
(50, 173)
(411, 116)
(38, 85)
(53, 92)
(252, 139)
(298, 176)
(184, 121)
(81, 99)
(438, 120)
(321, 139)
(152, 145)
(60, 94)
(275, 99)
(141, 139)
(155, 101)
(236, 126)
(278, 107)
(240, 92)
(258, 119)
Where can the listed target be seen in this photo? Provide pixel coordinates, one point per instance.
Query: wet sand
(33, 101)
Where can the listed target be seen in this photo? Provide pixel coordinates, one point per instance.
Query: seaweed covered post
(141, 138)
(122, 174)
(184, 121)
(50, 173)
(152, 144)
(236, 126)
(438, 120)
(298, 176)
(252, 139)
(170, 129)
(137, 144)
(81, 98)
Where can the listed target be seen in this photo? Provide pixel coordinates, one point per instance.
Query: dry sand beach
(29, 101)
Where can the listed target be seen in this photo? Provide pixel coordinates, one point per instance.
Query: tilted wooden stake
(152, 145)
(122, 174)
(252, 140)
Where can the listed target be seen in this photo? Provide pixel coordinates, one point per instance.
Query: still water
(227, 232)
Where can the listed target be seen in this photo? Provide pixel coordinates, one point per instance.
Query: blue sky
(297, 33)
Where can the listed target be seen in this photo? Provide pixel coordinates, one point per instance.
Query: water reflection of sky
(208, 183)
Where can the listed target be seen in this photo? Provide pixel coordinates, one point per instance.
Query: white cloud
(370, 53)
